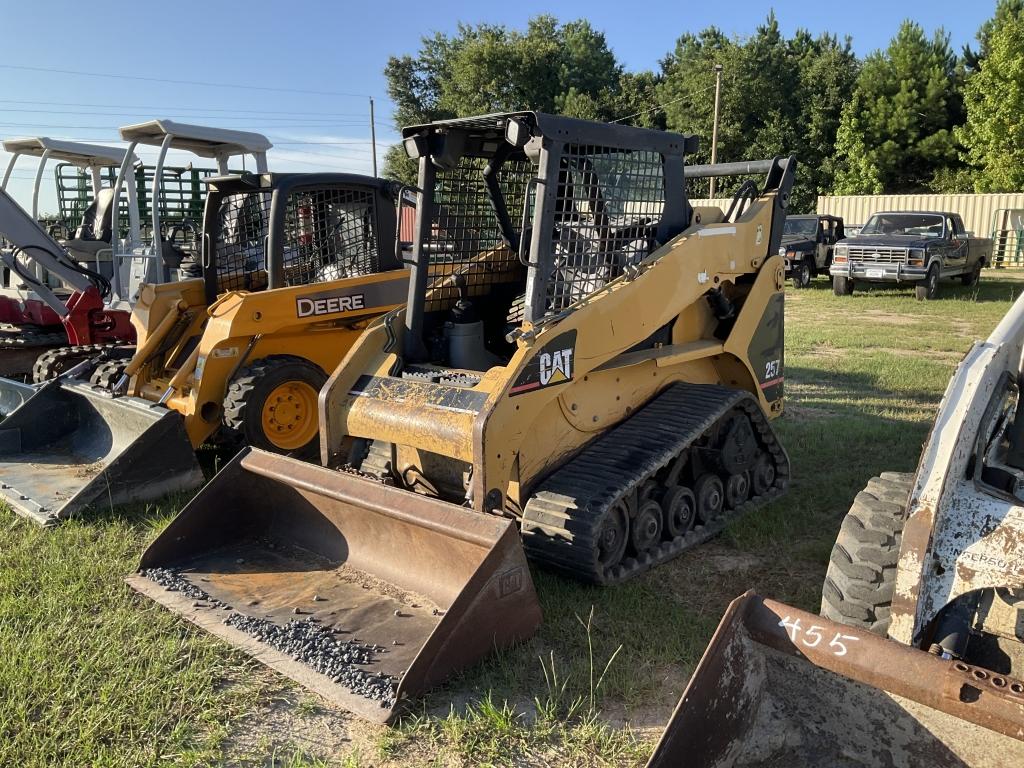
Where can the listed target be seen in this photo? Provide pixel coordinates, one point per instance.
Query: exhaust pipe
(69, 446)
(781, 687)
(365, 593)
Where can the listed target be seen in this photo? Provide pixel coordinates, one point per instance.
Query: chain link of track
(564, 516)
(27, 339)
(52, 363)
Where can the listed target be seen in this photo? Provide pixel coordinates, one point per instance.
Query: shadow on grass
(989, 288)
(845, 392)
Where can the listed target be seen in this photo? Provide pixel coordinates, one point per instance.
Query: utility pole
(714, 128)
(373, 136)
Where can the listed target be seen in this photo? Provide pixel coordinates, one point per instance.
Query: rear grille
(877, 255)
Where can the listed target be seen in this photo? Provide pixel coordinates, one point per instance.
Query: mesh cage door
(330, 233)
(467, 251)
(239, 245)
(607, 207)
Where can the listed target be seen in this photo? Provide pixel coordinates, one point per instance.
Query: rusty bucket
(781, 687)
(68, 446)
(362, 592)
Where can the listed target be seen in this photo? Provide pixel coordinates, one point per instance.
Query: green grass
(92, 675)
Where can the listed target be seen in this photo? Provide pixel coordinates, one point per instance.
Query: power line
(199, 83)
(297, 115)
(190, 109)
(656, 107)
(271, 137)
(107, 127)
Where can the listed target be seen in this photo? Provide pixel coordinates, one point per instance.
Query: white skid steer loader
(918, 656)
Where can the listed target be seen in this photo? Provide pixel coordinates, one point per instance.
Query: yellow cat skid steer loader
(584, 358)
(294, 265)
(918, 656)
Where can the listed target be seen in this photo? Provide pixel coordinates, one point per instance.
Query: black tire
(861, 574)
(929, 289)
(972, 278)
(842, 286)
(248, 395)
(803, 273)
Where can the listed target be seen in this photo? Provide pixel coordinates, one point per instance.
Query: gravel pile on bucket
(173, 581)
(306, 641)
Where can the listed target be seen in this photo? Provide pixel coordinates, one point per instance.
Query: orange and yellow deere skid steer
(294, 266)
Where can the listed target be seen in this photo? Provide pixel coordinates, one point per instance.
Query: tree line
(913, 117)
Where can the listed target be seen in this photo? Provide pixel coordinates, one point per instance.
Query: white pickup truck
(918, 247)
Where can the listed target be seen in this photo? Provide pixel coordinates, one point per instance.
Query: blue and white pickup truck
(917, 247)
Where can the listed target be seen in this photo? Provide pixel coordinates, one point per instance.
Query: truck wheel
(272, 404)
(971, 278)
(861, 574)
(929, 289)
(802, 274)
(842, 286)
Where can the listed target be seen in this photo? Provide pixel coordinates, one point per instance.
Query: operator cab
(520, 217)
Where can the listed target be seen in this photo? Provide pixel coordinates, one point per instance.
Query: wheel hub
(289, 415)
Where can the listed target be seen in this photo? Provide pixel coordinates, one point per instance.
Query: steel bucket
(362, 592)
(781, 687)
(70, 446)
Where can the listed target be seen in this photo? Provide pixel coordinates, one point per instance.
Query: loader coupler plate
(69, 446)
(781, 687)
(365, 593)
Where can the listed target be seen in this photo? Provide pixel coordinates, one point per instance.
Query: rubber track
(562, 519)
(29, 339)
(43, 370)
(108, 373)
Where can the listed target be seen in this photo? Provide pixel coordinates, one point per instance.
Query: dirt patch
(963, 329)
(290, 721)
(826, 351)
(649, 719)
(944, 355)
(889, 318)
(803, 413)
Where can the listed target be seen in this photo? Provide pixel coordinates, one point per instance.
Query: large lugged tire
(272, 404)
(861, 573)
(929, 289)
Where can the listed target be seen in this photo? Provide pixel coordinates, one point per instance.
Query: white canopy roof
(198, 139)
(75, 152)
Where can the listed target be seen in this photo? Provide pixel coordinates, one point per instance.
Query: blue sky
(286, 52)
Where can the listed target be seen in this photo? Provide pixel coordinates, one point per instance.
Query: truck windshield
(806, 227)
(916, 224)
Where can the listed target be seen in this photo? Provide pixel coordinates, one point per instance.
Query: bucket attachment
(781, 687)
(365, 593)
(69, 445)
(14, 394)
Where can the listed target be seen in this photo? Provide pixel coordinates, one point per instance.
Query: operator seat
(92, 240)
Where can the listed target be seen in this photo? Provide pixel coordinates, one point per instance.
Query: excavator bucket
(781, 687)
(68, 446)
(362, 592)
